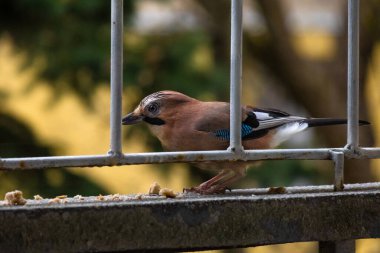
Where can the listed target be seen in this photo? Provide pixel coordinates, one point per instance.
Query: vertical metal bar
(236, 75)
(116, 75)
(347, 246)
(338, 159)
(353, 74)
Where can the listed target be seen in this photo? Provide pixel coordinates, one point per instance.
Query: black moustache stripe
(154, 121)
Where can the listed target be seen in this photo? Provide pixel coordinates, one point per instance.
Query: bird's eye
(153, 108)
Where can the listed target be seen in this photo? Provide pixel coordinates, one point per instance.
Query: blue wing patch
(224, 134)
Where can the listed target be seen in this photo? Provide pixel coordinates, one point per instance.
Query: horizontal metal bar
(160, 157)
(365, 153)
(189, 222)
(187, 156)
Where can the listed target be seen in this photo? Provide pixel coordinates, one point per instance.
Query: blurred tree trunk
(320, 86)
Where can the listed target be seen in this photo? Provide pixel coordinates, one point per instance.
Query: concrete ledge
(190, 222)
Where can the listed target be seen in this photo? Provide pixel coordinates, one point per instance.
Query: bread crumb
(116, 197)
(38, 197)
(169, 193)
(14, 198)
(61, 197)
(79, 197)
(139, 196)
(100, 197)
(277, 190)
(154, 188)
(179, 195)
(57, 200)
(54, 201)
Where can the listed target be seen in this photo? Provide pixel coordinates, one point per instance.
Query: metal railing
(235, 152)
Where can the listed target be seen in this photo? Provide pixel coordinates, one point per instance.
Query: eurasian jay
(183, 123)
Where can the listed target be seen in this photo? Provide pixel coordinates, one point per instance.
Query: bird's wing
(257, 123)
(268, 118)
(263, 120)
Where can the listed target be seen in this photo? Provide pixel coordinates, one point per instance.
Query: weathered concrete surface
(190, 223)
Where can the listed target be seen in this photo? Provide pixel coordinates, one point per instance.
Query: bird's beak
(132, 118)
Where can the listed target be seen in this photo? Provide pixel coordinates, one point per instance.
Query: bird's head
(157, 108)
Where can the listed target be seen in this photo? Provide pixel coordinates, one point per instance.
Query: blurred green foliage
(171, 61)
(70, 39)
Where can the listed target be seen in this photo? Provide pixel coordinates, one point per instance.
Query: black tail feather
(328, 121)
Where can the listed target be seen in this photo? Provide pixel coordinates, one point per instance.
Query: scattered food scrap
(54, 201)
(115, 197)
(14, 198)
(277, 190)
(154, 188)
(155, 191)
(169, 193)
(38, 197)
(79, 197)
(62, 199)
(100, 197)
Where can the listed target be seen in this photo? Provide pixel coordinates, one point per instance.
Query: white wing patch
(263, 116)
(286, 131)
(273, 122)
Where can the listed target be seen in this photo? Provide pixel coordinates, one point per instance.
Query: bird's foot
(206, 191)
